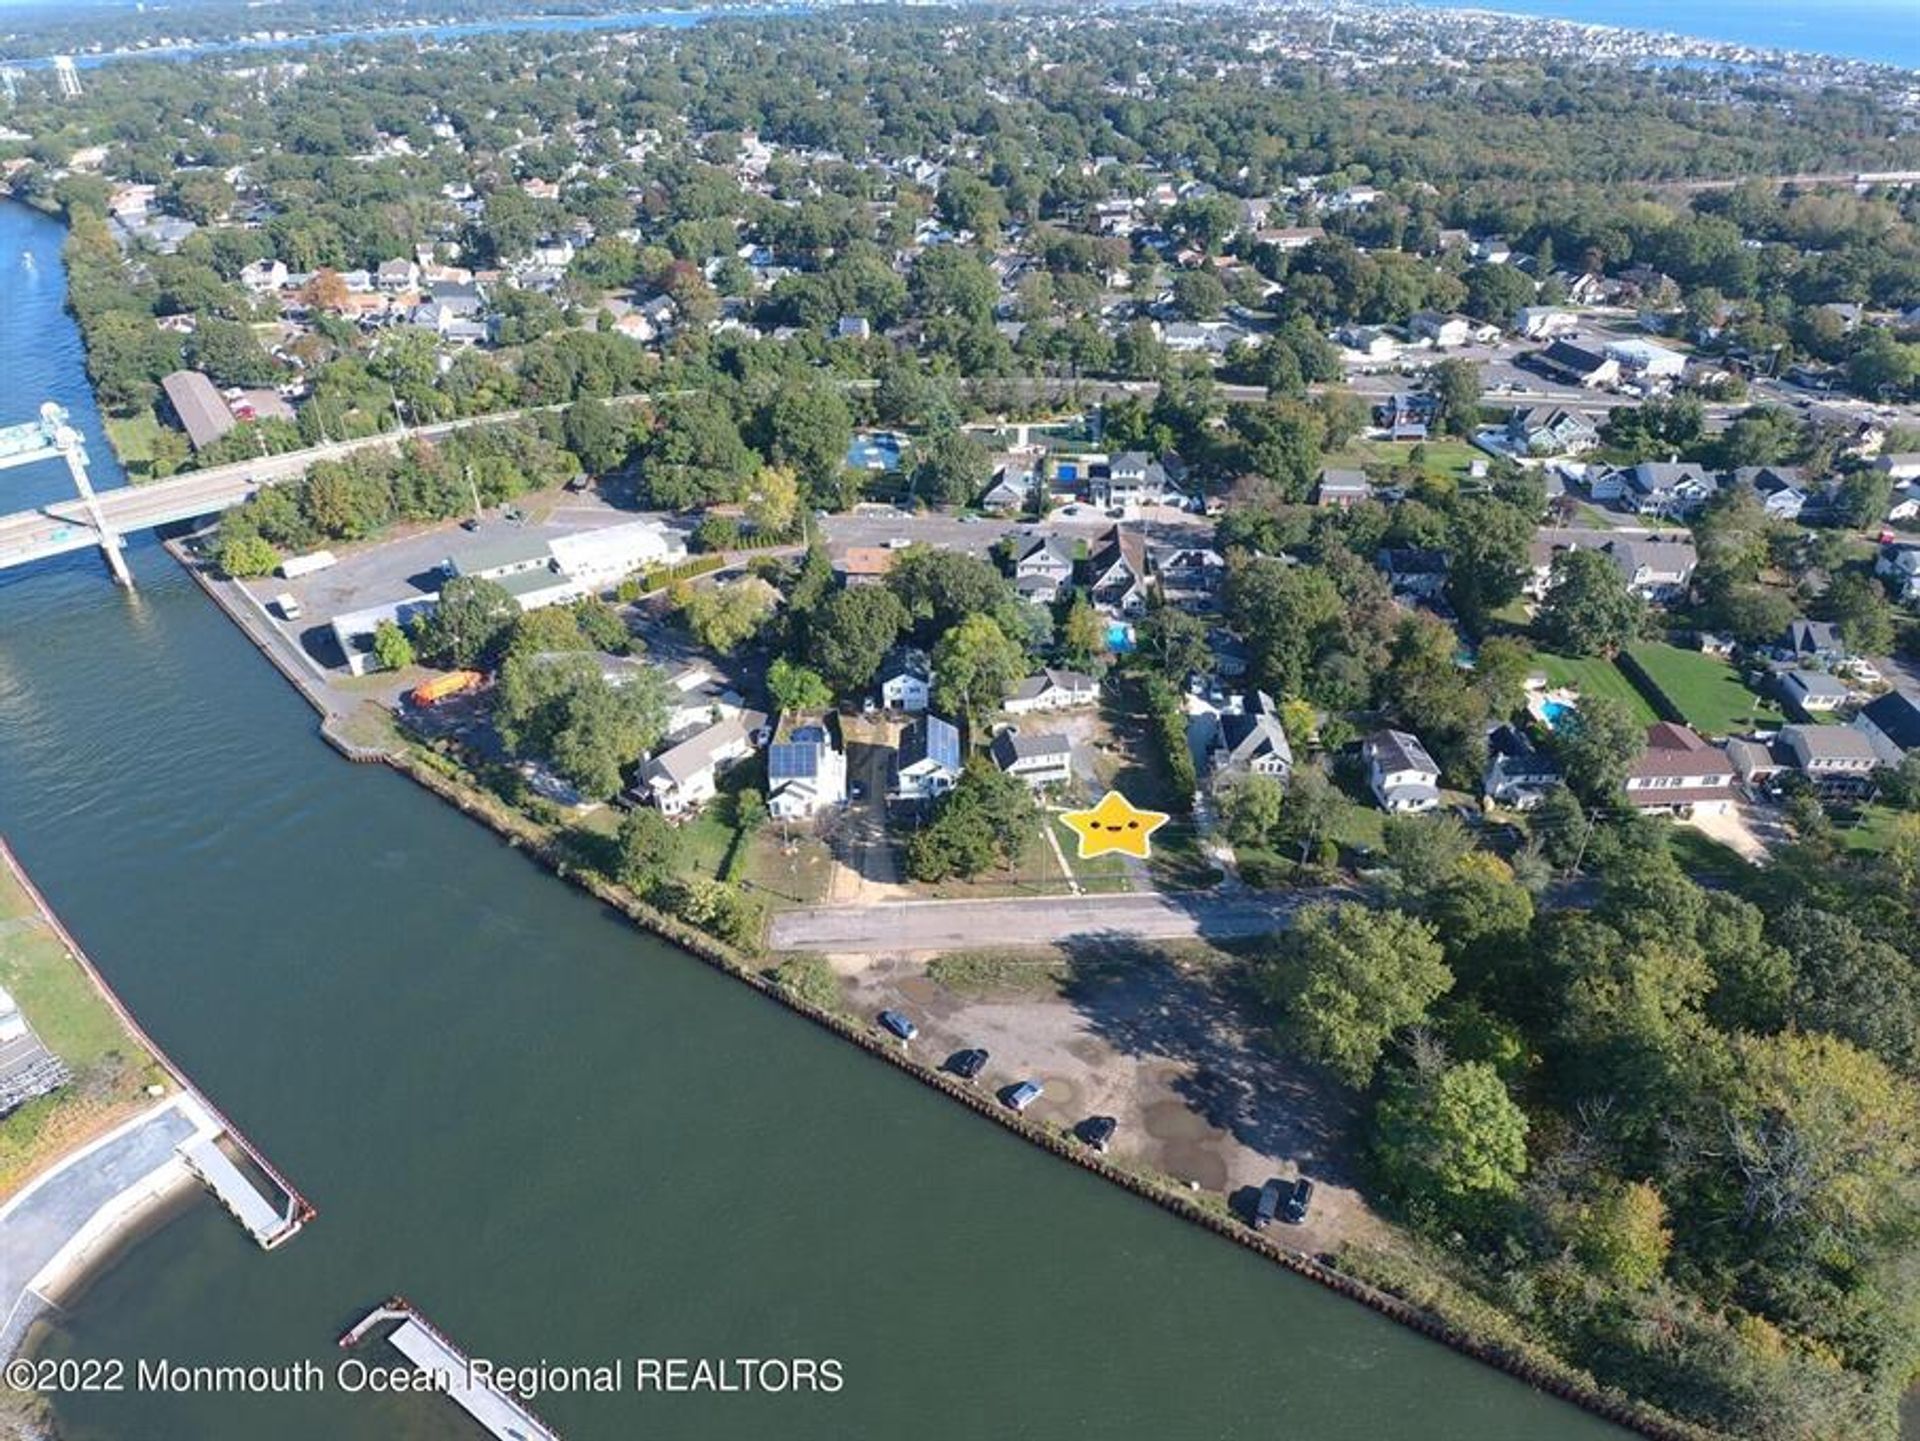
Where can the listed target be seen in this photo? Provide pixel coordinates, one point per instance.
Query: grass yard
(110, 1069)
(1871, 830)
(1707, 691)
(1596, 675)
(132, 438)
(1446, 457)
(786, 875)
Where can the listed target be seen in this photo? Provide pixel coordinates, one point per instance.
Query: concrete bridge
(103, 519)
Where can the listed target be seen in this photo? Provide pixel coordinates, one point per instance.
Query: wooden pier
(424, 1344)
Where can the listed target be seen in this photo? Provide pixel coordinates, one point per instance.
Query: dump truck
(454, 682)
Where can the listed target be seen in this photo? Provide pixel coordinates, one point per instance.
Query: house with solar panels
(806, 772)
(927, 764)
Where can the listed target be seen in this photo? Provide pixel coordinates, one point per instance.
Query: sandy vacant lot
(1152, 1038)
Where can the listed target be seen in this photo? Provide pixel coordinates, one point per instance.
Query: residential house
(906, 679)
(1133, 479)
(927, 763)
(1370, 342)
(686, 775)
(1816, 641)
(1659, 570)
(1758, 763)
(1342, 488)
(396, 276)
(263, 277)
(1543, 322)
(1117, 572)
(1659, 487)
(1812, 692)
(1414, 572)
(1519, 774)
(1039, 760)
(1550, 430)
(1246, 738)
(806, 772)
(1189, 576)
(1839, 760)
(1892, 723)
(1780, 489)
(1043, 569)
(1901, 565)
(1680, 773)
(1052, 690)
(1904, 504)
(1400, 773)
(1899, 465)
(864, 564)
(696, 698)
(1440, 331)
(1014, 479)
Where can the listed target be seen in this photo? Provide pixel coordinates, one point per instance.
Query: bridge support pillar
(111, 546)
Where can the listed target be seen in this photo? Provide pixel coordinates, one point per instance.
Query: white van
(288, 607)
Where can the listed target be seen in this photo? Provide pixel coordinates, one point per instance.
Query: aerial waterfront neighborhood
(1443, 488)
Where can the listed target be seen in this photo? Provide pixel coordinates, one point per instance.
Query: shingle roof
(930, 738)
(1400, 751)
(1897, 714)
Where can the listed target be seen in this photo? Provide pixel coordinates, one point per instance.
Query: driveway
(908, 926)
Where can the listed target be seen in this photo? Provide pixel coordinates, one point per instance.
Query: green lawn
(66, 1011)
(1448, 457)
(1596, 675)
(1706, 690)
(133, 438)
(1870, 831)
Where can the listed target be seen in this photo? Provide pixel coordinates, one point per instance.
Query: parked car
(968, 1063)
(1298, 1203)
(899, 1025)
(288, 607)
(1025, 1094)
(1268, 1206)
(1096, 1131)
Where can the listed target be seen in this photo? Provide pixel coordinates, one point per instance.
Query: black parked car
(1268, 1206)
(1295, 1211)
(1096, 1131)
(969, 1064)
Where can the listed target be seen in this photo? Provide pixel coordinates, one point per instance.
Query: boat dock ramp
(431, 1351)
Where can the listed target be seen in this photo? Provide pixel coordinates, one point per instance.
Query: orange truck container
(453, 683)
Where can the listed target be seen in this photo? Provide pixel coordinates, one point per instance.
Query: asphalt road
(1037, 920)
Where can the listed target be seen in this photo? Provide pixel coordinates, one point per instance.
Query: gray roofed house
(198, 406)
(1052, 689)
(1400, 773)
(685, 775)
(1039, 760)
(1818, 640)
(1342, 487)
(1811, 691)
(906, 679)
(1248, 739)
(927, 763)
(1839, 760)
(1892, 723)
(1518, 773)
(1655, 569)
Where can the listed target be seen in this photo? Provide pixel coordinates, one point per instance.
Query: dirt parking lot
(1154, 1039)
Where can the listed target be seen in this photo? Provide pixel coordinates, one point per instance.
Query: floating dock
(431, 1351)
(238, 1194)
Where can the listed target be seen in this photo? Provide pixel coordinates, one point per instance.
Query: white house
(1441, 331)
(1246, 738)
(1039, 760)
(1519, 774)
(906, 679)
(685, 776)
(927, 763)
(1892, 723)
(262, 277)
(1053, 690)
(1680, 773)
(806, 773)
(1400, 773)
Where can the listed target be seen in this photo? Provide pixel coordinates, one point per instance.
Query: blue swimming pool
(1119, 637)
(1554, 713)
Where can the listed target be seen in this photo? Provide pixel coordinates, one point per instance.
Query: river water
(563, 1139)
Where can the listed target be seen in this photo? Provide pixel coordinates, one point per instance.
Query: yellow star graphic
(1114, 825)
